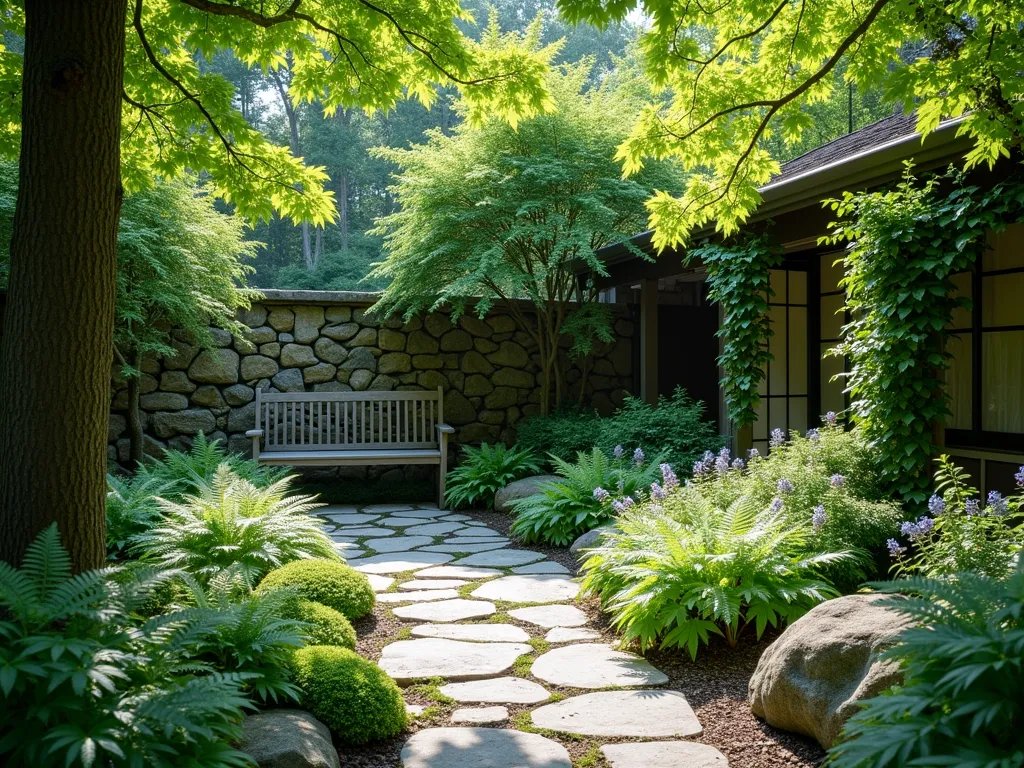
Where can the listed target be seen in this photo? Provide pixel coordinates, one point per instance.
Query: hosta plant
(82, 684)
(963, 662)
(486, 470)
(579, 500)
(229, 523)
(677, 571)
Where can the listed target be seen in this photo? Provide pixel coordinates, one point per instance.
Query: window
(832, 319)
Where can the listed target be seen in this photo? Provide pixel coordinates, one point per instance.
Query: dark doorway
(688, 353)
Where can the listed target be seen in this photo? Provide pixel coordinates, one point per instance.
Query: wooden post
(649, 341)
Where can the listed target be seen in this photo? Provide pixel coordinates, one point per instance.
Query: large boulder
(288, 738)
(590, 539)
(520, 489)
(811, 679)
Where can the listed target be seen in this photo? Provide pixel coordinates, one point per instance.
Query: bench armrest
(445, 429)
(254, 433)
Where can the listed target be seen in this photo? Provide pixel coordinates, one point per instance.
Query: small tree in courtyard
(498, 213)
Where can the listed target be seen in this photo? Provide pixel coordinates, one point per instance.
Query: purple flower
(972, 507)
(738, 464)
(622, 505)
(895, 550)
(830, 418)
(778, 437)
(658, 493)
(776, 505)
(936, 505)
(601, 495)
(819, 517)
(996, 504)
(700, 469)
(619, 450)
(784, 486)
(669, 477)
(752, 454)
(813, 436)
(638, 456)
(1019, 477)
(922, 527)
(722, 462)
(837, 481)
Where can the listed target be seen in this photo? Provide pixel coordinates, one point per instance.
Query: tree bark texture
(55, 360)
(135, 431)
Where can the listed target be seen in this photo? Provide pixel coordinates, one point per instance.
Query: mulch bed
(715, 685)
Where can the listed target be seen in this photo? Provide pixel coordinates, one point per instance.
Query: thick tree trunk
(57, 349)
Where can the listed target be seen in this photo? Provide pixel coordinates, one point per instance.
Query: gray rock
(360, 358)
(208, 396)
(342, 332)
(446, 610)
(289, 380)
(502, 558)
(477, 385)
(571, 635)
(242, 419)
(477, 633)
(456, 341)
(590, 538)
(262, 335)
(591, 665)
(482, 748)
(551, 615)
(395, 362)
(273, 349)
(457, 409)
(244, 346)
(474, 362)
(183, 356)
(812, 677)
(115, 427)
(367, 337)
(480, 715)
(338, 314)
(501, 323)
(285, 338)
(498, 690)
(390, 340)
(163, 401)
(332, 386)
(330, 351)
(437, 324)
(254, 316)
(297, 356)
(360, 380)
(502, 397)
(308, 322)
(543, 567)
(382, 383)
(663, 754)
(319, 373)
(511, 377)
(408, 660)
(215, 366)
(220, 337)
(398, 543)
(420, 343)
(176, 381)
(520, 489)
(258, 367)
(509, 354)
(457, 572)
(239, 394)
(529, 588)
(421, 596)
(281, 319)
(288, 738)
(190, 422)
(400, 562)
(647, 714)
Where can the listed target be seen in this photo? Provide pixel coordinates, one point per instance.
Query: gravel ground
(715, 685)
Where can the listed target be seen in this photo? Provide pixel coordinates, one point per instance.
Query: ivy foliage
(738, 277)
(905, 246)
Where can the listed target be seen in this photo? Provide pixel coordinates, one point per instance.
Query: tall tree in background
(743, 72)
(109, 94)
(493, 214)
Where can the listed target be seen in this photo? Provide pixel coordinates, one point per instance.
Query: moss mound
(329, 582)
(350, 695)
(326, 625)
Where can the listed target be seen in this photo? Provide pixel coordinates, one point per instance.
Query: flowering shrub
(587, 495)
(486, 470)
(959, 533)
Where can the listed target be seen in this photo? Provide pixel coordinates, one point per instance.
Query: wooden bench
(352, 428)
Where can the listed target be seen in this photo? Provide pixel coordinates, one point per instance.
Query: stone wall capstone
(327, 341)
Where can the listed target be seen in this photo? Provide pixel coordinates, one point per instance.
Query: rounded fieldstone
(398, 543)
(258, 367)
(242, 419)
(254, 316)
(219, 336)
(281, 319)
(183, 356)
(520, 489)
(360, 380)
(650, 714)
(486, 346)
(502, 323)
(498, 690)
(509, 354)
(288, 738)
(663, 754)
(437, 324)
(474, 362)
(511, 377)
(477, 633)
(382, 383)
(115, 427)
(446, 610)
(176, 381)
(480, 715)
(289, 380)
(591, 665)
(502, 558)
(209, 396)
(262, 335)
(420, 343)
(308, 322)
(319, 373)
(456, 572)
(456, 341)
(338, 314)
(163, 401)
(330, 351)
(244, 346)
(591, 538)
(342, 332)
(422, 596)
(358, 358)
(457, 409)
(502, 397)
(427, 362)
(273, 349)
(367, 337)
(190, 422)
(391, 341)
(399, 563)
(551, 615)
(285, 338)
(394, 362)
(408, 660)
(215, 366)
(239, 394)
(482, 748)
(297, 356)
(529, 588)
(477, 385)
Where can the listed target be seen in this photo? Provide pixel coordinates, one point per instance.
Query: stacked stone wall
(327, 341)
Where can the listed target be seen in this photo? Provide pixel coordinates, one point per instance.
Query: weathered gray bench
(351, 428)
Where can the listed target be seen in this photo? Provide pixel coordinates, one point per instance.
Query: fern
(963, 660)
(232, 524)
(486, 470)
(132, 509)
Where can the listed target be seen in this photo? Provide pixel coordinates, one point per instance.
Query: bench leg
(442, 470)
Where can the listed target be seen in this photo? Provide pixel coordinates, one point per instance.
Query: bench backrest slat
(348, 420)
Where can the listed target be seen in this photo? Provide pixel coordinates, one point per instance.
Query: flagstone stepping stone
(422, 513)
(455, 548)
(349, 551)
(433, 584)
(482, 748)
(478, 540)
(457, 572)
(551, 615)
(398, 543)
(543, 567)
(663, 754)
(446, 610)
(478, 633)
(399, 562)
(593, 665)
(476, 522)
(362, 532)
(380, 583)
(480, 715)
(408, 660)
(502, 558)
(380, 509)
(403, 522)
(337, 538)
(476, 530)
(571, 635)
(497, 690)
(529, 588)
(651, 714)
(353, 519)
(421, 596)
(457, 518)
(433, 529)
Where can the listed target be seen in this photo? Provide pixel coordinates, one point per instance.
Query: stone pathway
(457, 584)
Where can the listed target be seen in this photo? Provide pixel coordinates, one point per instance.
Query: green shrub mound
(326, 625)
(350, 695)
(334, 584)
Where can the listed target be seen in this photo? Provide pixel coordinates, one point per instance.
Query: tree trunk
(343, 209)
(318, 247)
(135, 436)
(293, 134)
(55, 361)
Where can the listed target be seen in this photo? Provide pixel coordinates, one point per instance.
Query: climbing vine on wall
(905, 246)
(738, 280)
